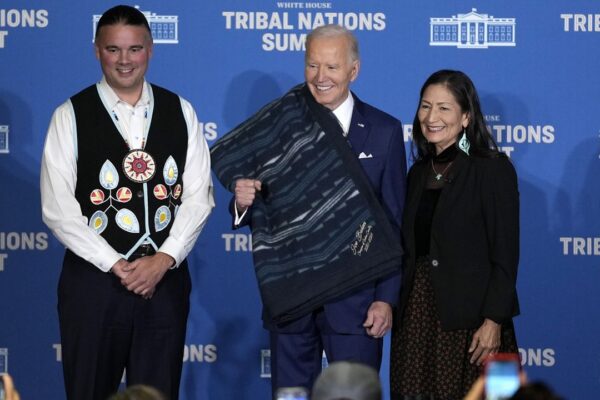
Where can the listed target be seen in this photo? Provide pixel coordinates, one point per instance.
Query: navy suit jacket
(378, 142)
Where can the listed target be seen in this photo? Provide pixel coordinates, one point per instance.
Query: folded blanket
(318, 231)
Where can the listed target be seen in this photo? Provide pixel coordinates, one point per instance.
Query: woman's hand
(486, 341)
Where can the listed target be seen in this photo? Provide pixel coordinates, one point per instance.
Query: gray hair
(349, 381)
(333, 30)
(139, 392)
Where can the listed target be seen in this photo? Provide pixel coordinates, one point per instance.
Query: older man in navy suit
(350, 328)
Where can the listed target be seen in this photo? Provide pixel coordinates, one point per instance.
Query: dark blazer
(474, 245)
(377, 140)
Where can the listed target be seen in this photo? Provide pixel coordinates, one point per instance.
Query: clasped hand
(245, 192)
(142, 275)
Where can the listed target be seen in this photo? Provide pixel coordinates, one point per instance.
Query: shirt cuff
(174, 249)
(238, 218)
(107, 262)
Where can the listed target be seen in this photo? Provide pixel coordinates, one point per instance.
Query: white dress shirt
(343, 113)
(58, 178)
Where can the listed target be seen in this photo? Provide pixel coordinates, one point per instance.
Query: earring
(463, 143)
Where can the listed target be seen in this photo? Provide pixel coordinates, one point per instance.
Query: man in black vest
(126, 187)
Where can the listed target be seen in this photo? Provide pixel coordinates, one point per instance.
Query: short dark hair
(125, 15)
(464, 92)
(535, 391)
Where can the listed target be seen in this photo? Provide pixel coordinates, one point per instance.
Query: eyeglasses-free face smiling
(441, 118)
(329, 70)
(124, 52)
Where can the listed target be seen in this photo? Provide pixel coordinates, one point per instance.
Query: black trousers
(105, 330)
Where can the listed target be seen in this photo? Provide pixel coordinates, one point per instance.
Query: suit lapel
(417, 182)
(416, 185)
(360, 128)
(456, 169)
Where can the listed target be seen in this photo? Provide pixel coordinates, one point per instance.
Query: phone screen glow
(502, 380)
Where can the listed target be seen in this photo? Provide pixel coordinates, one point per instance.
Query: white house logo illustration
(4, 139)
(3, 360)
(472, 31)
(265, 363)
(165, 28)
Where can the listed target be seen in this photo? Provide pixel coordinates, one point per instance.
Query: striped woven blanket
(318, 231)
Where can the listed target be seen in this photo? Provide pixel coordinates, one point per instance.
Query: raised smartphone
(502, 376)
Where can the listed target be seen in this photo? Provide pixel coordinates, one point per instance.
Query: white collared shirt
(58, 178)
(343, 113)
(133, 122)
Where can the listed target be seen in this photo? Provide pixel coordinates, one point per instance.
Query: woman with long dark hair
(461, 240)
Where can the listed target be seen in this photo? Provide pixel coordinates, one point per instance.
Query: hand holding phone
(502, 376)
(2, 391)
(7, 388)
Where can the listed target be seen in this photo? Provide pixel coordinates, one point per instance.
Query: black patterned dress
(428, 362)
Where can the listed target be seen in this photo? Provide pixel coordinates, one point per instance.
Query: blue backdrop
(536, 68)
